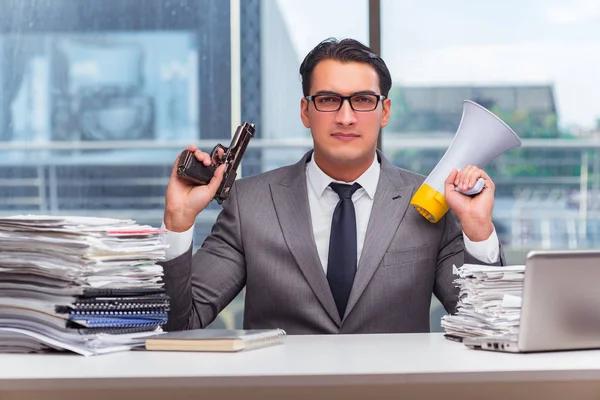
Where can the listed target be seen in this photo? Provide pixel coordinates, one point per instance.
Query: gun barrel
(244, 133)
(233, 158)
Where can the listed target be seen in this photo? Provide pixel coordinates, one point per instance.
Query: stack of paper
(489, 301)
(89, 285)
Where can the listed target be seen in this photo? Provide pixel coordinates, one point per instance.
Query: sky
(473, 42)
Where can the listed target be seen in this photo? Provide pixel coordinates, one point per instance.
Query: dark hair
(346, 50)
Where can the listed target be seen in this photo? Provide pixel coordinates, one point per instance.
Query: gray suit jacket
(263, 240)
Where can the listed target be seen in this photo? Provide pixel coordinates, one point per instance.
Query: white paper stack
(84, 284)
(489, 301)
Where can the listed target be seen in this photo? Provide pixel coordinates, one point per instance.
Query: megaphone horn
(481, 137)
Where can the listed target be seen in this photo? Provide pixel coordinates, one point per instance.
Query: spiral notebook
(154, 303)
(114, 312)
(116, 320)
(219, 340)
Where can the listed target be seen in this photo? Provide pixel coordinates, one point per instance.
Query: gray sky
(437, 42)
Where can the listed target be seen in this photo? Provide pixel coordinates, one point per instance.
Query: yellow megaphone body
(481, 137)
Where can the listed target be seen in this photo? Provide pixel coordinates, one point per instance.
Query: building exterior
(530, 110)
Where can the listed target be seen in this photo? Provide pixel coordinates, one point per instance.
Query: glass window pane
(534, 64)
(99, 96)
(289, 30)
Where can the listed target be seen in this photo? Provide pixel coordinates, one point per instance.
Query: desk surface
(301, 360)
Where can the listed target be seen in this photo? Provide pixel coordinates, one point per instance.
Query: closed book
(220, 340)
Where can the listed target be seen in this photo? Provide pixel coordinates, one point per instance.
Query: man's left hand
(474, 212)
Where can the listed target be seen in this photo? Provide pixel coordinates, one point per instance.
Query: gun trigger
(214, 154)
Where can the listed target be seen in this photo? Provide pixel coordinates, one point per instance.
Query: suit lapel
(391, 200)
(291, 205)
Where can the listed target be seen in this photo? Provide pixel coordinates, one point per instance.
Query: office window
(99, 96)
(531, 62)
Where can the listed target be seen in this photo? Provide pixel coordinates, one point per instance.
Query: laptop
(561, 304)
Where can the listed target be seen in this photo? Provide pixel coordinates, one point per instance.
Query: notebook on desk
(219, 340)
(560, 308)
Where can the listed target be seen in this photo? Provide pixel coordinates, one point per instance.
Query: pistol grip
(194, 171)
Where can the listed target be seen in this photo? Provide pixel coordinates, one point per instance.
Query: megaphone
(481, 137)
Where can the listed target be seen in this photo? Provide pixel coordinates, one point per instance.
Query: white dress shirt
(322, 201)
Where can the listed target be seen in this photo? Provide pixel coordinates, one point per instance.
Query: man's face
(344, 137)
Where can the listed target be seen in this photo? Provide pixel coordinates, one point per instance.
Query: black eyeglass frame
(379, 98)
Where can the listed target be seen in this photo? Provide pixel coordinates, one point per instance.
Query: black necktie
(341, 263)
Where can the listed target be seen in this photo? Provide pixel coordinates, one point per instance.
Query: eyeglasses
(358, 102)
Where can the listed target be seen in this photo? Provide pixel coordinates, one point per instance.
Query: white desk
(332, 367)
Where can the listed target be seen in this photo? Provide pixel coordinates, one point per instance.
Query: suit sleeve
(203, 284)
(452, 252)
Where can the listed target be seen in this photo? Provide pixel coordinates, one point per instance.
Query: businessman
(330, 244)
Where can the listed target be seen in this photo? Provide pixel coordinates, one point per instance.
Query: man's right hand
(183, 200)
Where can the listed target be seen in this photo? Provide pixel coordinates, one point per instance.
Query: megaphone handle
(479, 185)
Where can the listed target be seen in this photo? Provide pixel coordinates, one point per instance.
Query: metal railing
(404, 141)
(127, 179)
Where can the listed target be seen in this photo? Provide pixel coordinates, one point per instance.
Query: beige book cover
(220, 340)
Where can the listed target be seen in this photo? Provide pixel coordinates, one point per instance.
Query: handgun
(194, 171)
